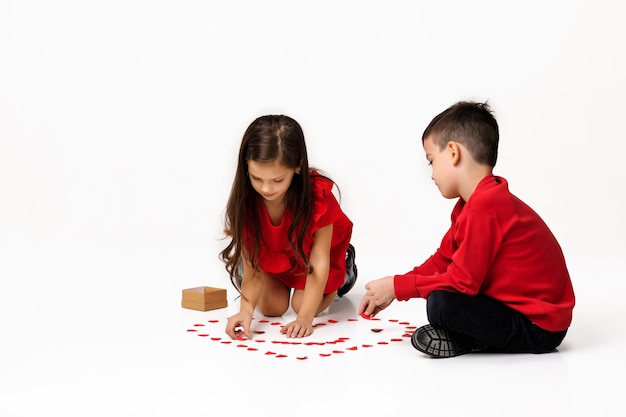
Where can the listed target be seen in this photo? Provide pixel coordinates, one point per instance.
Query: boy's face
(442, 168)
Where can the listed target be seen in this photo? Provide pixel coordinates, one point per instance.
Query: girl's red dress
(276, 257)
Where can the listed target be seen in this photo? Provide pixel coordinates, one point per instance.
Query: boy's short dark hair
(470, 123)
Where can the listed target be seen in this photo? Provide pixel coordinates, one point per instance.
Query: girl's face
(443, 168)
(270, 179)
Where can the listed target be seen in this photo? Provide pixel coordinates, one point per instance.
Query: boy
(499, 281)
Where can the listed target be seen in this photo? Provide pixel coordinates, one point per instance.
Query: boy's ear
(454, 151)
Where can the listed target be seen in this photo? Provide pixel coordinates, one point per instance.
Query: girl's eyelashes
(278, 180)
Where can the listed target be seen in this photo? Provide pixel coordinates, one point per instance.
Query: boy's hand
(378, 295)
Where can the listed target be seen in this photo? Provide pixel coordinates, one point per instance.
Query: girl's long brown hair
(271, 138)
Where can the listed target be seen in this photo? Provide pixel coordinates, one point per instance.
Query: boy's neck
(472, 178)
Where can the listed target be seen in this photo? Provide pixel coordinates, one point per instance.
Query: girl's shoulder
(320, 183)
(325, 204)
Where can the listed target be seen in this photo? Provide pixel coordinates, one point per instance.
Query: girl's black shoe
(351, 272)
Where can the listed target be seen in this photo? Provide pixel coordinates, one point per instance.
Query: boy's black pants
(484, 319)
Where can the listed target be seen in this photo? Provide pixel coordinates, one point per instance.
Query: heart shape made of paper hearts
(384, 333)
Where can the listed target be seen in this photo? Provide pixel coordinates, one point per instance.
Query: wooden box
(204, 298)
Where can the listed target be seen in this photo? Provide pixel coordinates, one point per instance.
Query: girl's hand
(238, 326)
(298, 328)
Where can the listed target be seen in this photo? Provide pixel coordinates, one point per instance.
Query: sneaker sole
(437, 343)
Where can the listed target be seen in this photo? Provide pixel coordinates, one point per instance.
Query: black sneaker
(441, 343)
(351, 272)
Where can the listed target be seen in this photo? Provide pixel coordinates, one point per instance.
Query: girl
(287, 231)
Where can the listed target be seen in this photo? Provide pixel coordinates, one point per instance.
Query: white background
(120, 123)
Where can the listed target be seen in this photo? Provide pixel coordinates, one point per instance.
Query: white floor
(119, 127)
(97, 331)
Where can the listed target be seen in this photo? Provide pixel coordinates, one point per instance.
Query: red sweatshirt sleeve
(461, 262)
(405, 285)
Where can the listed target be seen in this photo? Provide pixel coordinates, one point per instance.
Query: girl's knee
(275, 304)
(274, 300)
(273, 311)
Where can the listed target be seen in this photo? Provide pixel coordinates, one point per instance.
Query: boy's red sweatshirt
(498, 246)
